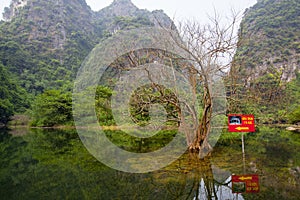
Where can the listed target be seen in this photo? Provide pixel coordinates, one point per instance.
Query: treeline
(271, 105)
(270, 99)
(54, 107)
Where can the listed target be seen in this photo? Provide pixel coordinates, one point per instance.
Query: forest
(38, 64)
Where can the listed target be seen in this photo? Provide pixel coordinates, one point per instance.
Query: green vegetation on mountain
(13, 98)
(267, 61)
(43, 43)
(294, 106)
(270, 37)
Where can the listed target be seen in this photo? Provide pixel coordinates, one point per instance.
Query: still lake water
(53, 164)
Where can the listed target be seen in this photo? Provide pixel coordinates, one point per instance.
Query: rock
(293, 128)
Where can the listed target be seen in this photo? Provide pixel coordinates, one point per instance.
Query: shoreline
(288, 127)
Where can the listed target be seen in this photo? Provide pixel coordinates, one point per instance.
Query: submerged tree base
(202, 150)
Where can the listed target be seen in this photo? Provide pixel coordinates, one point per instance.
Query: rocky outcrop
(269, 40)
(13, 9)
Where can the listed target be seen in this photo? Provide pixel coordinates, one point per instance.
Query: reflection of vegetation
(273, 154)
(141, 145)
(239, 187)
(46, 164)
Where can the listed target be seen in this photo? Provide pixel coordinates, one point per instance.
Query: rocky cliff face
(13, 9)
(267, 61)
(123, 8)
(59, 20)
(49, 20)
(269, 40)
(44, 42)
(123, 14)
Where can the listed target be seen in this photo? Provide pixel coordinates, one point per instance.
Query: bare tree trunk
(200, 143)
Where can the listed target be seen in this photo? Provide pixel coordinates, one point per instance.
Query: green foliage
(269, 35)
(12, 97)
(276, 20)
(125, 23)
(144, 98)
(103, 107)
(44, 50)
(294, 92)
(266, 97)
(44, 44)
(53, 107)
(140, 104)
(270, 99)
(6, 111)
(141, 145)
(264, 62)
(294, 117)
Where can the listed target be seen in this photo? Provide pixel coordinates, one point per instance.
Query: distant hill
(44, 42)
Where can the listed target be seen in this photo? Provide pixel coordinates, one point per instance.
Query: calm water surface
(53, 164)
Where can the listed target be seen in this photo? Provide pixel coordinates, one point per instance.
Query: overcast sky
(185, 9)
(177, 9)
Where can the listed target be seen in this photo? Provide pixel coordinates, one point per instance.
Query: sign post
(245, 183)
(241, 123)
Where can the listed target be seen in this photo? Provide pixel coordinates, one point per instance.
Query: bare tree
(210, 48)
(208, 51)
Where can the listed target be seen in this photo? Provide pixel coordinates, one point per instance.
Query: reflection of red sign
(241, 123)
(245, 183)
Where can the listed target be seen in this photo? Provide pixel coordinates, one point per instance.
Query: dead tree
(210, 48)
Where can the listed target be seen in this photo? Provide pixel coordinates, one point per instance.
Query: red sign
(241, 123)
(245, 183)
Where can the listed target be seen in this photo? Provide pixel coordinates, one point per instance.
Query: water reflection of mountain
(46, 164)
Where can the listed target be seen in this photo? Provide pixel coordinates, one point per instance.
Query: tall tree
(53, 107)
(210, 48)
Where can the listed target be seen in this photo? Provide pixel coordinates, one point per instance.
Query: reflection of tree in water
(204, 175)
(195, 178)
(44, 164)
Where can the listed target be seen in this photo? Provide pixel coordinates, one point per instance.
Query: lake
(54, 164)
